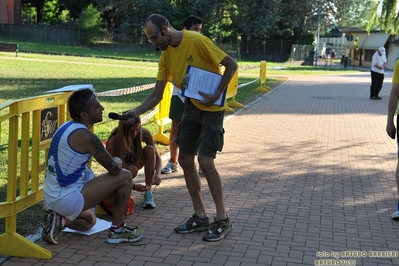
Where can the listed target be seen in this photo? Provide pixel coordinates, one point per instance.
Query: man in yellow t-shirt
(391, 130)
(201, 129)
(192, 23)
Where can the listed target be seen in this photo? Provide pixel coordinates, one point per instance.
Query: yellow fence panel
(262, 78)
(161, 118)
(232, 91)
(31, 124)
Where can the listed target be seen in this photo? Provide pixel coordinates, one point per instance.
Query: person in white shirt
(378, 64)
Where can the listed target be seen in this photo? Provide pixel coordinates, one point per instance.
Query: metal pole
(318, 32)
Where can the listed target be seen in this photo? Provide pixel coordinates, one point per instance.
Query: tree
(296, 20)
(258, 19)
(38, 4)
(75, 8)
(288, 19)
(386, 15)
(89, 23)
(131, 14)
(218, 17)
(51, 12)
(29, 13)
(357, 14)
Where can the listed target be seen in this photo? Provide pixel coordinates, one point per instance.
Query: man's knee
(90, 224)
(86, 220)
(206, 162)
(125, 175)
(186, 160)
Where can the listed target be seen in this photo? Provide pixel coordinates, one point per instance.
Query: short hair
(78, 100)
(191, 20)
(158, 20)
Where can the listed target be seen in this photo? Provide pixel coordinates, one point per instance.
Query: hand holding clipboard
(201, 85)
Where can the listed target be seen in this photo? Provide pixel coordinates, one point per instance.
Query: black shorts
(200, 132)
(176, 108)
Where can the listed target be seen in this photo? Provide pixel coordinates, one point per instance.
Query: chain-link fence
(251, 49)
(302, 53)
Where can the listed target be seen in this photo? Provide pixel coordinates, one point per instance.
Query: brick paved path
(306, 168)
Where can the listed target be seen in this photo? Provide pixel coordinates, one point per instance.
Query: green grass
(105, 50)
(32, 74)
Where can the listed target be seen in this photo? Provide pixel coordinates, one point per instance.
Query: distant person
(390, 128)
(192, 23)
(70, 187)
(327, 54)
(126, 142)
(332, 55)
(378, 64)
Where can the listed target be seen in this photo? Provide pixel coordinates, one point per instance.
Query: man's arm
(102, 156)
(377, 59)
(152, 100)
(230, 69)
(86, 141)
(392, 106)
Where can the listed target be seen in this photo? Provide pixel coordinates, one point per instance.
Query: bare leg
(102, 186)
(149, 164)
(193, 183)
(212, 176)
(85, 221)
(173, 149)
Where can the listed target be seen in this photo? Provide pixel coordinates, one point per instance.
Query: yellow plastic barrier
(262, 78)
(32, 123)
(232, 90)
(161, 118)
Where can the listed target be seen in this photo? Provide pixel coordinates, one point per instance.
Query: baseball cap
(382, 50)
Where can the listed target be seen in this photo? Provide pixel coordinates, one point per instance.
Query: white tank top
(66, 169)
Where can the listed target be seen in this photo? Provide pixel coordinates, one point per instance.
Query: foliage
(358, 14)
(386, 15)
(37, 4)
(89, 22)
(281, 19)
(53, 13)
(28, 13)
(76, 7)
(132, 14)
(261, 19)
(218, 17)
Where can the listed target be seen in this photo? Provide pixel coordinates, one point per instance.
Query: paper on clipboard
(202, 80)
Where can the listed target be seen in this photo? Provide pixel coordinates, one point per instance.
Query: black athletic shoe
(194, 224)
(219, 229)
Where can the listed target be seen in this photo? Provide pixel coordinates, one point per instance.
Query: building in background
(10, 11)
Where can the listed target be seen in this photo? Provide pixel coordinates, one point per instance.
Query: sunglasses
(154, 37)
(92, 97)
